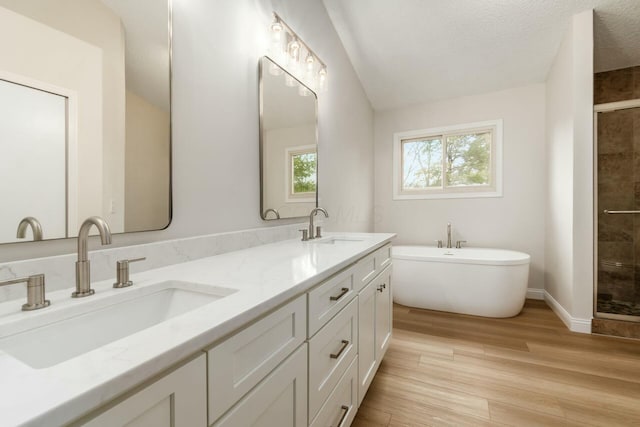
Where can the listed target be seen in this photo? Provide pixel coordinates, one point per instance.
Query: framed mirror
(288, 144)
(85, 115)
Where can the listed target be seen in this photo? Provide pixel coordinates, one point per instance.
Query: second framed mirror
(288, 144)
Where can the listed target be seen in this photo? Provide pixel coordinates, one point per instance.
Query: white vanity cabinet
(308, 362)
(351, 339)
(176, 399)
(375, 320)
(257, 376)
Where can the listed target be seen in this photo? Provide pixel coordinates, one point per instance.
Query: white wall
(514, 221)
(559, 181)
(147, 166)
(569, 215)
(216, 48)
(583, 177)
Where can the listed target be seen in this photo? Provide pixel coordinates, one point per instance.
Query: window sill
(461, 195)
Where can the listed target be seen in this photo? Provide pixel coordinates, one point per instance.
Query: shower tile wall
(617, 85)
(618, 189)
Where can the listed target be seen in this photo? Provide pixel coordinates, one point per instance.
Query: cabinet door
(366, 338)
(177, 399)
(384, 313)
(279, 400)
(239, 363)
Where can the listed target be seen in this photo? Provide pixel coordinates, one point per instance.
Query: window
(302, 165)
(449, 162)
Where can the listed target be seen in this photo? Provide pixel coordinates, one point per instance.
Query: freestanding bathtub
(481, 282)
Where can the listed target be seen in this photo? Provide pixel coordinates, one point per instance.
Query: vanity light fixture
(288, 48)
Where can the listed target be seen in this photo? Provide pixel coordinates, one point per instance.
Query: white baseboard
(535, 293)
(573, 323)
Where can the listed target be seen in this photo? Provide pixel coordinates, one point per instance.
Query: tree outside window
(304, 173)
(468, 159)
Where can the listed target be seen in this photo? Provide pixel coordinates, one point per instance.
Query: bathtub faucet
(449, 235)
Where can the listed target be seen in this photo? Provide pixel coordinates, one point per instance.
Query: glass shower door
(618, 208)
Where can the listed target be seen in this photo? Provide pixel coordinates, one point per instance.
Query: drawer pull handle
(345, 410)
(382, 287)
(343, 293)
(345, 343)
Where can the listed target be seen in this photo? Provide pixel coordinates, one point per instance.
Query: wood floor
(450, 369)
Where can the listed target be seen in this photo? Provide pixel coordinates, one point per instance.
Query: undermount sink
(78, 329)
(332, 240)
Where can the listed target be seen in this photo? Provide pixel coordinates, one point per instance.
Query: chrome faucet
(83, 266)
(313, 213)
(449, 235)
(35, 225)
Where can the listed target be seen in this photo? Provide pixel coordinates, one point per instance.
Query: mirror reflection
(288, 144)
(84, 115)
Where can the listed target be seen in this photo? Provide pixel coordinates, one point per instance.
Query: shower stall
(617, 201)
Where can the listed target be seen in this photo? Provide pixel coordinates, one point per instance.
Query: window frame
(494, 189)
(290, 153)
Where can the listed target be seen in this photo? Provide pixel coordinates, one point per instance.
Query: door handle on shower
(620, 212)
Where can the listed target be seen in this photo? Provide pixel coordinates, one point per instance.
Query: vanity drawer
(279, 400)
(240, 362)
(365, 270)
(326, 300)
(340, 408)
(371, 265)
(383, 257)
(331, 351)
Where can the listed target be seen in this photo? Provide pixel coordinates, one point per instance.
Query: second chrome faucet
(313, 213)
(311, 232)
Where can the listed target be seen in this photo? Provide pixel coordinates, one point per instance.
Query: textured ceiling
(412, 51)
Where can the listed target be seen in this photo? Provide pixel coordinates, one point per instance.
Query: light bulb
(294, 50)
(276, 31)
(293, 55)
(310, 61)
(322, 79)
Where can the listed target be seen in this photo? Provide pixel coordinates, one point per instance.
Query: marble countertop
(264, 276)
